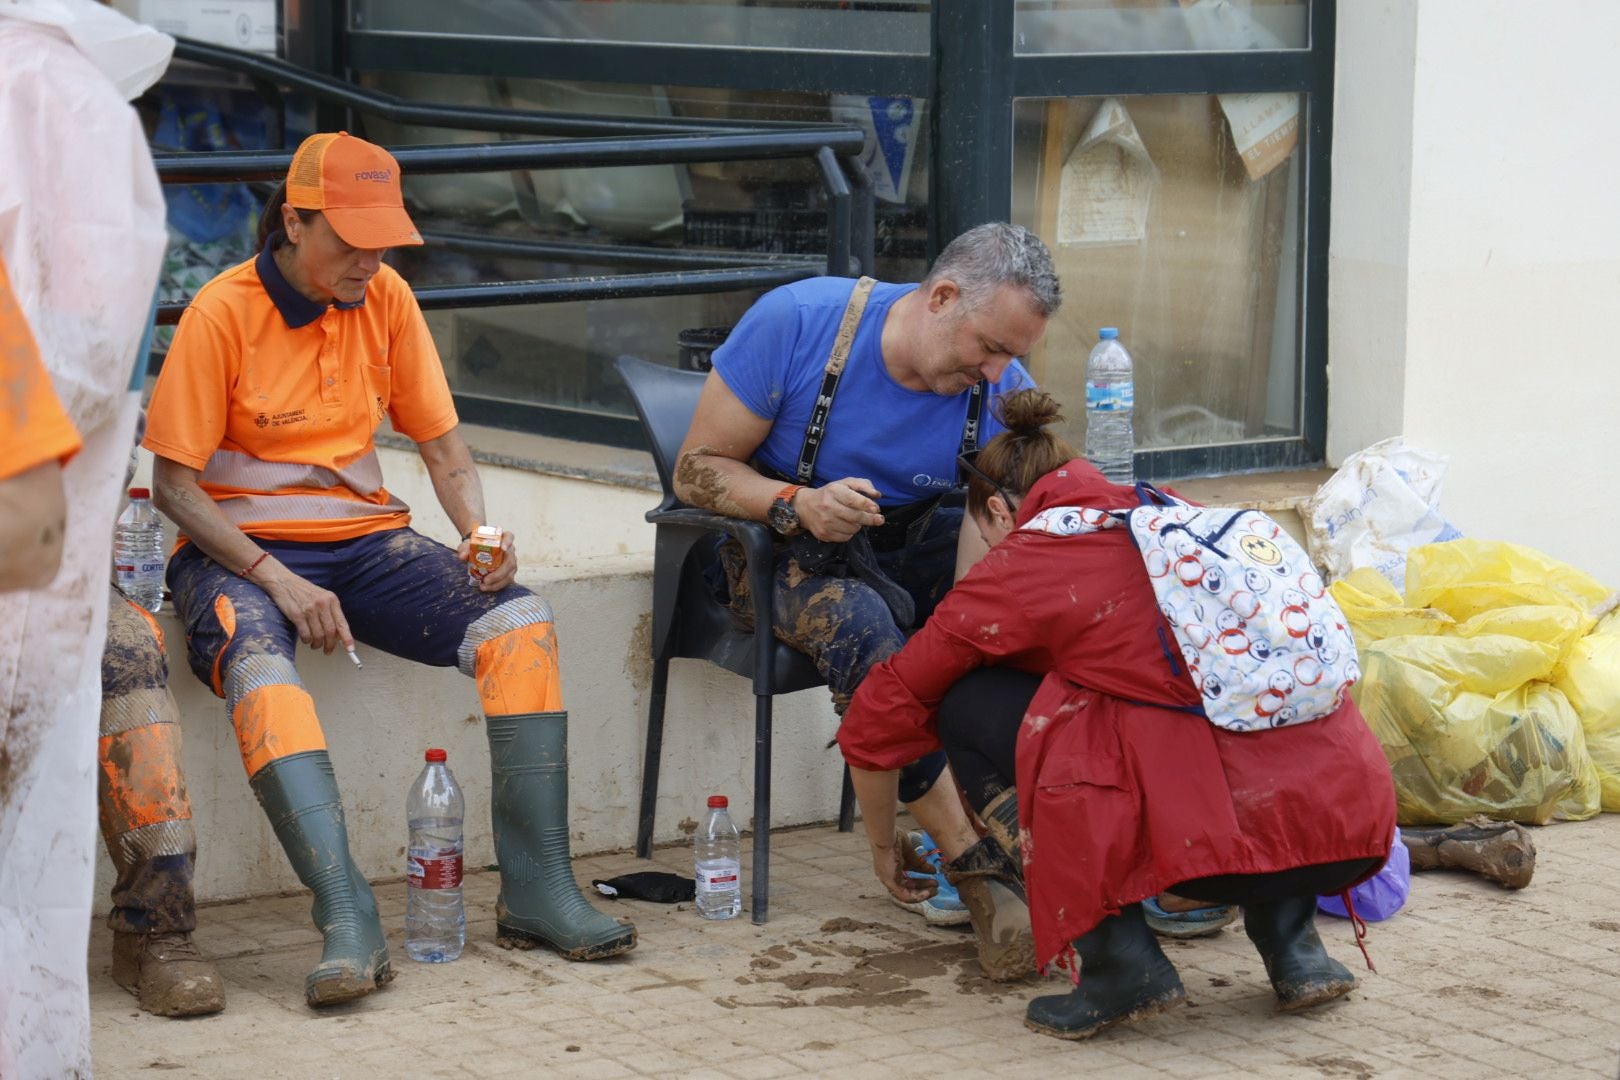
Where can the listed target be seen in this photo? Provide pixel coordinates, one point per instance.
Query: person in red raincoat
(1047, 665)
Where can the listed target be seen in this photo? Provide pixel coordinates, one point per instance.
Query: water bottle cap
(434, 755)
(140, 493)
(1108, 333)
(718, 802)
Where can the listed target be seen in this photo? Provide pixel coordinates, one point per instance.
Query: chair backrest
(665, 399)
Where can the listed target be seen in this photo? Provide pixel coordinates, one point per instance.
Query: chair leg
(649, 765)
(846, 804)
(762, 808)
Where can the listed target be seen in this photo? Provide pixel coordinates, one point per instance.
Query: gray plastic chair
(689, 623)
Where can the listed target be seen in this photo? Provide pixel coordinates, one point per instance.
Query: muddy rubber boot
(299, 794)
(1301, 971)
(1499, 850)
(167, 973)
(540, 902)
(1124, 977)
(991, 884)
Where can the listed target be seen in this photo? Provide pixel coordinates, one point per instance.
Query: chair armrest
(755, 537)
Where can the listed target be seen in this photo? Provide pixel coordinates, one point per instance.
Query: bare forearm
(879, 796)
(33, 520)
(202, 521)
(705, 479)
(455, 481)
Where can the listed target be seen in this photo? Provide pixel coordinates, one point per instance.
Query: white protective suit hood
(132, 56)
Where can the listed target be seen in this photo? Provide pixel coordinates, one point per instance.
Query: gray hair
(995, 254)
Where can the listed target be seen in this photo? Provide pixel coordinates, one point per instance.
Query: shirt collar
(297, 309)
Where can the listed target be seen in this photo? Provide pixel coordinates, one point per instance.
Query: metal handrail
(277, 72)
(215, 166)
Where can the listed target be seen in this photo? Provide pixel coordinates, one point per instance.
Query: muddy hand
(840, 509)
(890, 865)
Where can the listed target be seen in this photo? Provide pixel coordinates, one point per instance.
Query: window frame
(971, 80)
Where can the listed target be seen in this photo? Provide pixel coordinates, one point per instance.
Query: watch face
(781, 516)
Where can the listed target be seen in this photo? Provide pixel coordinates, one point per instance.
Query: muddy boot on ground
(991, 884)
(1301, 971)
(1124, 977)
(1499, 850)
(168, 974)
(540, 901)
(299, 794)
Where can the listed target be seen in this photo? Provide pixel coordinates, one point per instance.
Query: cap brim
(373, 227)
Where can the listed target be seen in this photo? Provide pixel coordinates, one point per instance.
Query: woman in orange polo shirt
(262, 423)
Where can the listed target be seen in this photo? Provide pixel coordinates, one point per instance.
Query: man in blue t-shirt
(865, 551)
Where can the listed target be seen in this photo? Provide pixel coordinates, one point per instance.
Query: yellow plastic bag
(1456, 683)
(1469, 728)
(1377, 611)
(1464, 578)
(1591, 680)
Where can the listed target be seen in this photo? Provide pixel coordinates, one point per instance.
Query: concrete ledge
(379, 721)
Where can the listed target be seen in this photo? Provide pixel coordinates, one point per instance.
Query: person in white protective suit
(82, 236)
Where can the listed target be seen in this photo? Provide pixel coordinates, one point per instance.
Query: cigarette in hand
(352, 656)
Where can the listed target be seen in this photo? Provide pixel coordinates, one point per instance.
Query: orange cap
(356, 185)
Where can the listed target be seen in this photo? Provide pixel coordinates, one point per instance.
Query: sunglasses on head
(966, 461)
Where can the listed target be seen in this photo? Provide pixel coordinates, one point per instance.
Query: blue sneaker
(945, 907)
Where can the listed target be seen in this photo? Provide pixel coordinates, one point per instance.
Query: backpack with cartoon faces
(1254, 626)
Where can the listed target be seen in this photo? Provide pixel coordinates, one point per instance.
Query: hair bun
(1028, 412)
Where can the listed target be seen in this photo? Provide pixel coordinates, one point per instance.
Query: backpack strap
(816, 430)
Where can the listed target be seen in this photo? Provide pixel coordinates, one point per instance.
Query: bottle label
(721, 876)
(1110, 397)
(130, 573)
(434, 868)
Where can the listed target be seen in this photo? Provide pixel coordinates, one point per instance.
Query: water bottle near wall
(1110, 401)
(435, 917)
(138, 551)
(718, 852)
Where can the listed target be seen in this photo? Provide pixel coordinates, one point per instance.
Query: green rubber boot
(540, 902)
(299, 794)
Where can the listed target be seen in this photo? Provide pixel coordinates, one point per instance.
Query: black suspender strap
(975, 414)
(816, 429)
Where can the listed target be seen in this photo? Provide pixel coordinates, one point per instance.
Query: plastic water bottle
(719, 863)
(1110, 400)
(435, 918)
(138, 551)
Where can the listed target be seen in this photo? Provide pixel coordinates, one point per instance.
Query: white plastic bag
(1383, 501)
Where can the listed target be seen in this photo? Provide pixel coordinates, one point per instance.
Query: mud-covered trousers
(145, 811)
(842, 623)
(400, 592)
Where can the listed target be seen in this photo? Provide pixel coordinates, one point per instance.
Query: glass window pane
(897, 26)
(562, 354)
(1176, 219)
(1150, 26)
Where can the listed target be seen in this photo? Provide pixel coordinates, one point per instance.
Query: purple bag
(1381, 895)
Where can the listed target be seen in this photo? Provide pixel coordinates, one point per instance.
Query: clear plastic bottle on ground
(1110, 402)
(138, 551)
(435, 918)
(718, 851)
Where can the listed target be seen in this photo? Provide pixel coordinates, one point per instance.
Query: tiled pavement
(1472, 982)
